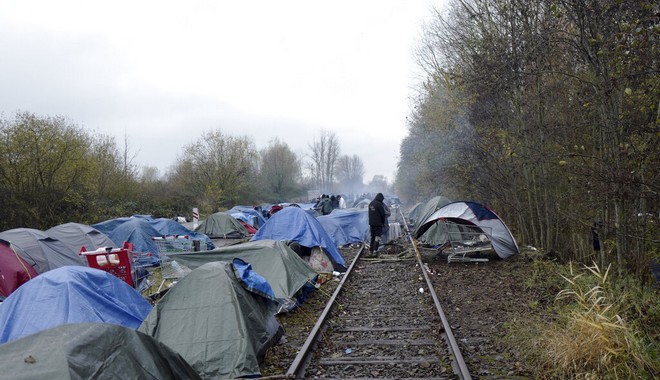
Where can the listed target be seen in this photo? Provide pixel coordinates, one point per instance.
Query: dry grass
(591, 339)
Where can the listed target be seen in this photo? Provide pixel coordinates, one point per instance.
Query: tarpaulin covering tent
(40, 250)
(109, 225)
(362, 203)
(77, 235)
(169, 227)
(70, 295)
(92, 351)
(215, 323)
(248, 219)
(346, 226)
(284, 270)
(221, 225)
(293, 223)
(498, 233)
(14, 271)
(256, 215)
(139, 232)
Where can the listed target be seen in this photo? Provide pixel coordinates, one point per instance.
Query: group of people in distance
(326, 203)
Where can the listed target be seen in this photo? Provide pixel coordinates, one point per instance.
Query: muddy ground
(484, 302)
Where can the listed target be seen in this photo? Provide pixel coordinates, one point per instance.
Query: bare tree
(324, 153)
(350, 171)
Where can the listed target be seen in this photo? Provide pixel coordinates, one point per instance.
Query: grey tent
(77, 235)
(414, 213)
(473, 213)
(222, 226)
(41, 251)
(216, 324)
(431, 206)
(286, 272)
(91, 351)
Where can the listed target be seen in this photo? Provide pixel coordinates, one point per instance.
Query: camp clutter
(168, 293)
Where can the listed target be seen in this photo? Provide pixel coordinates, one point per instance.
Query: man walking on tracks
(377, 219)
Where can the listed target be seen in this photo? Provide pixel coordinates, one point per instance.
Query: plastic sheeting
(284, 270)
(41, 251)
(250, 211)
(293, 223)
(70, 295)
(346, 226)
(139, 232)
(221, 329)
(92, 351)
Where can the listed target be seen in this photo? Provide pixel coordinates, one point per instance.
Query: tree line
(547, 111)
(53, 171)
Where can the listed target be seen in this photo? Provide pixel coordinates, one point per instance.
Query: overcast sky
(164, 72)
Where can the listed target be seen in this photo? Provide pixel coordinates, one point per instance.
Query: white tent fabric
(503, 242)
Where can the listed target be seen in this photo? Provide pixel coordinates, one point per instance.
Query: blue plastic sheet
(293, 223)
(67, 295)
(346, 226)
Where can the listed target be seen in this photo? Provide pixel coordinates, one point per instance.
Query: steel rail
(296, 370)
(461, 370)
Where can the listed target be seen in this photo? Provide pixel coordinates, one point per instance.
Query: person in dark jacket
(376, 221)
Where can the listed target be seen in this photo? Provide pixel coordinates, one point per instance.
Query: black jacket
(377, 211)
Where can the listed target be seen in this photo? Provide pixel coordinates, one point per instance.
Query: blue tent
(70, 294)
(250, 211)
(346, 226)
(167, 227)
(109, 225)
(293, 223)
(139, 232)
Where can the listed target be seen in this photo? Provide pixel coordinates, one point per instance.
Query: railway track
(383, 321)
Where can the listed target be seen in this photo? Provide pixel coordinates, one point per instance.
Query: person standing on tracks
(377, 219)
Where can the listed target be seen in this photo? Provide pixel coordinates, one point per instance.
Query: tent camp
(221, 225)
(295, 224)
(346, 226)
(14, 271)
(472, 213)
(92, 351)
(41, 251)
(70, 295)
(76, 235)
(218, 320)
(284, 270)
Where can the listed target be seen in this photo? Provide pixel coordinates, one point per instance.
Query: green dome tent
(216, 322)
(222, 226)
(286, 272)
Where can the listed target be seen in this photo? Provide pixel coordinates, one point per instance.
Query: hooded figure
(377, 219)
